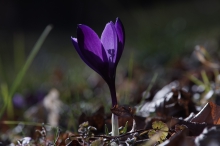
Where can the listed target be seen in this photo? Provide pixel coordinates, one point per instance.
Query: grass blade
(22, 72)
(30, 58)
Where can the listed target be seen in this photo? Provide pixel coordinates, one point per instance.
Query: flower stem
(115, 131)
(113, 93)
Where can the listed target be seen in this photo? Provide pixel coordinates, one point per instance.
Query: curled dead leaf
(210, 114)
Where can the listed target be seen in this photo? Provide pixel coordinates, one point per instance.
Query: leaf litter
(184, 112)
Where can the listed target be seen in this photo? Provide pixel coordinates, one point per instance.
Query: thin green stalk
(151, 84)
(196, 81)
(24, 123)
(149, 88)
(28, 62)
(205, 80)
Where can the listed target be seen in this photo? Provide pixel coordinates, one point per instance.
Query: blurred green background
(157, 33)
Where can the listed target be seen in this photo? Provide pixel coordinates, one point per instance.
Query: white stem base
(115, 131)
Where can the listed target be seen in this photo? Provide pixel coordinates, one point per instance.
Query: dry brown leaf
(122, 111)
(210, 114)
(194, 128)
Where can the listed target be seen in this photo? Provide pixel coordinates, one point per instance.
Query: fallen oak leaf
(210, 114)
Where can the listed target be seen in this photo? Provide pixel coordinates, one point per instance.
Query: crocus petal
(92, 64)
(75, 44)
(110, 42)
(121, 38)
(89, 40)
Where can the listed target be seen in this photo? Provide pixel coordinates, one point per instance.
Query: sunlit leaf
(154, 137)
(159, 125)
(151, 133)
(159, 131)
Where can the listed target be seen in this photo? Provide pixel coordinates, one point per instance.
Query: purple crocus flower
(102, 54)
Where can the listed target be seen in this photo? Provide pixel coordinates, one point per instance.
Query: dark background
(28, 15)
(157, 32)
